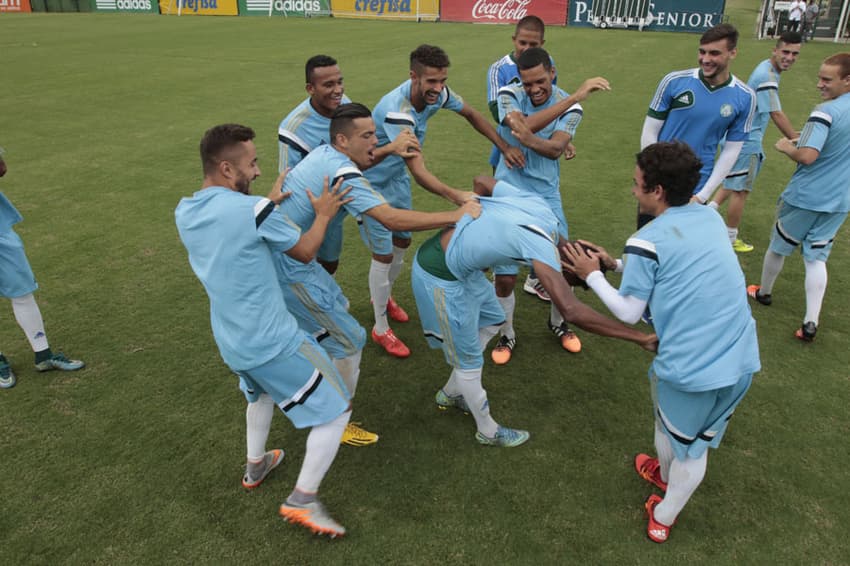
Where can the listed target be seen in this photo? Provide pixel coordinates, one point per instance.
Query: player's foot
(655, 530)
(503, 351)
(569, 341)
(754, 293)
(395, 312)
(7, 376)
(505, 437)
(807, 332)
(390, 342)
(649, 469)
(448, 401)
(256, 473)
(312, 515)
(741, 246)
(353, 435)
(532, 286)
(59, 361)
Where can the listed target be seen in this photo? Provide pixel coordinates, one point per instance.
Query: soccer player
(542, 150)
(232, 238)
(817, 199)
(457, 303)
(696, 382)
(408, 107)
(312, 295)
(764, 81)
(700, 106)
(17, 282)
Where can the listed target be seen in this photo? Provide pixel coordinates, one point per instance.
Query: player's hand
(329, 202)
(277, 195)
(601, 254)
(697, 200)
(406, 144)
(471, 207)
(462, 197)
(785, 145)
(649, 343)
(569, 151)
(591, 85)
(2, 167)
(579, 262)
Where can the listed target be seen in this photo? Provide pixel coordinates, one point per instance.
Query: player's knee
(383, 258)
(505, 285)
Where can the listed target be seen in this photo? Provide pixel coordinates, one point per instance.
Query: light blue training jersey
(514, 227)
(302, 131)
(324, 161)
(9, 215)
(824, 186)
(393, 114)
(764, 81)
(229, 237)
(541, 174)
(681, 263)
(701, 115)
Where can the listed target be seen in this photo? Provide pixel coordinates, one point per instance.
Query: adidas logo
(658, 533)
(684, 98)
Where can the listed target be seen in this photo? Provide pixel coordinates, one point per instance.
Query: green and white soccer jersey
(302, 131)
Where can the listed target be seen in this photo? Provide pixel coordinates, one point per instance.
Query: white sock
(379, 289)
(664, 450)
(469, 384)
(733, 234)
(486, 334)
(322, 446)
(770, 269)
(555, 315)
(29, 318)
(685, 477)
(451, 387)
(508, 305)
(258, 421)
(815, 289)
(397, 264)
(349, 369)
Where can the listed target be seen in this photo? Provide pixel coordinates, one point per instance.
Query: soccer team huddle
(282, 322)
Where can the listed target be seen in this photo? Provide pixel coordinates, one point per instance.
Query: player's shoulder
(500, 63)
(683, 75)
(514, 90)
(297, 115)
(743, 87)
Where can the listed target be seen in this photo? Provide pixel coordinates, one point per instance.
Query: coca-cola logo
(500, 9)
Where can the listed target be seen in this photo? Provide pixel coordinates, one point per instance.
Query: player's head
(786, 51)
(353, 133)
(229, 157)
(324, 84)
(666, 175)
(536, 73)
(834, 76)
(717, 48)
(529, 33)
(429, 71)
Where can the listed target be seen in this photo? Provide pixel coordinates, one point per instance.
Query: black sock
(43, 355)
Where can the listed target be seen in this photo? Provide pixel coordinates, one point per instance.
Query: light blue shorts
(331, 246)
(452, 312)
(554, 201)
(695, 421)
(321, 309)
(376, 236)
(815, 230)
(744, 172)
(306, 385)
(16, 277)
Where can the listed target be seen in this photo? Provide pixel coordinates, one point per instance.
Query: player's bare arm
(513, 156)
(802, 155)
(539, 120)
(551, 148)
(400, 220)
(784, 125)
(430, 182)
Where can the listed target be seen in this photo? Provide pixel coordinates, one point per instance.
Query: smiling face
(240, 166)
(784, 55)
(714, 59)
(526, 39)
(325, 89)
(647, 200)
(537, 82)
(426, 85)
(830, 82)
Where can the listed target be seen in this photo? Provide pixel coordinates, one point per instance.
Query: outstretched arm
(513, 156)
(722, 166)
(400, 220)
(421, 174)
(539, 120)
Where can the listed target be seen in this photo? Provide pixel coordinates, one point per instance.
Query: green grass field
(137, 459)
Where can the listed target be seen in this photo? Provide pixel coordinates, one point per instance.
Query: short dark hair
(531, 23)
(317, 61)
(721, 31)
(791, 37)
(841, 60)
(532, 57)
(428, 56)
(218, 140)
(344, 116)
(674, 166)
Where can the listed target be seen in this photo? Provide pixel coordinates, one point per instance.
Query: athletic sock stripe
(262, 209)
(304, 393)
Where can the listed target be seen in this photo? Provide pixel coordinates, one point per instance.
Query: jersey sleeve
(816, 130)
(767, 97)
(273, 226)
(493, 82)
(395, 122)
(451, 100)
(640, 265)
(568, 121)
(659, 106)
(508, 101)
(739, 129)
(363, 195)
(292, 149)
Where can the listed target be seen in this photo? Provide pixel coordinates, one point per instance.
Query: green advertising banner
(125, 6)
(299, 8)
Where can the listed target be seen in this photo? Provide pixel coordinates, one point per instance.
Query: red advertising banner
(15, 6)
(552, 12)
